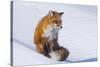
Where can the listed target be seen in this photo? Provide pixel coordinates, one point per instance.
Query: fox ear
(61, 13)
(51, 13)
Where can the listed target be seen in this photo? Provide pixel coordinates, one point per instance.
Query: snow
(78, 35)
(24, 56)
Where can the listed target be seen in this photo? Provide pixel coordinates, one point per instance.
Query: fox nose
(61, 27)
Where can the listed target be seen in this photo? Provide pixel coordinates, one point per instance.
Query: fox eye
(60, 21)
(54, 21)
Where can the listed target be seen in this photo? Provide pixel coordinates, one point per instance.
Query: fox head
(55, 19)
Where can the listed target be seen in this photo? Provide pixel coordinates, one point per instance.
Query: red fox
(46, 33)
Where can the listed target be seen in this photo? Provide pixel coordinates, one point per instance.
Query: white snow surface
(78, 35)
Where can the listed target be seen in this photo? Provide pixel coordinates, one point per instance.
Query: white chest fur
(51, 33)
